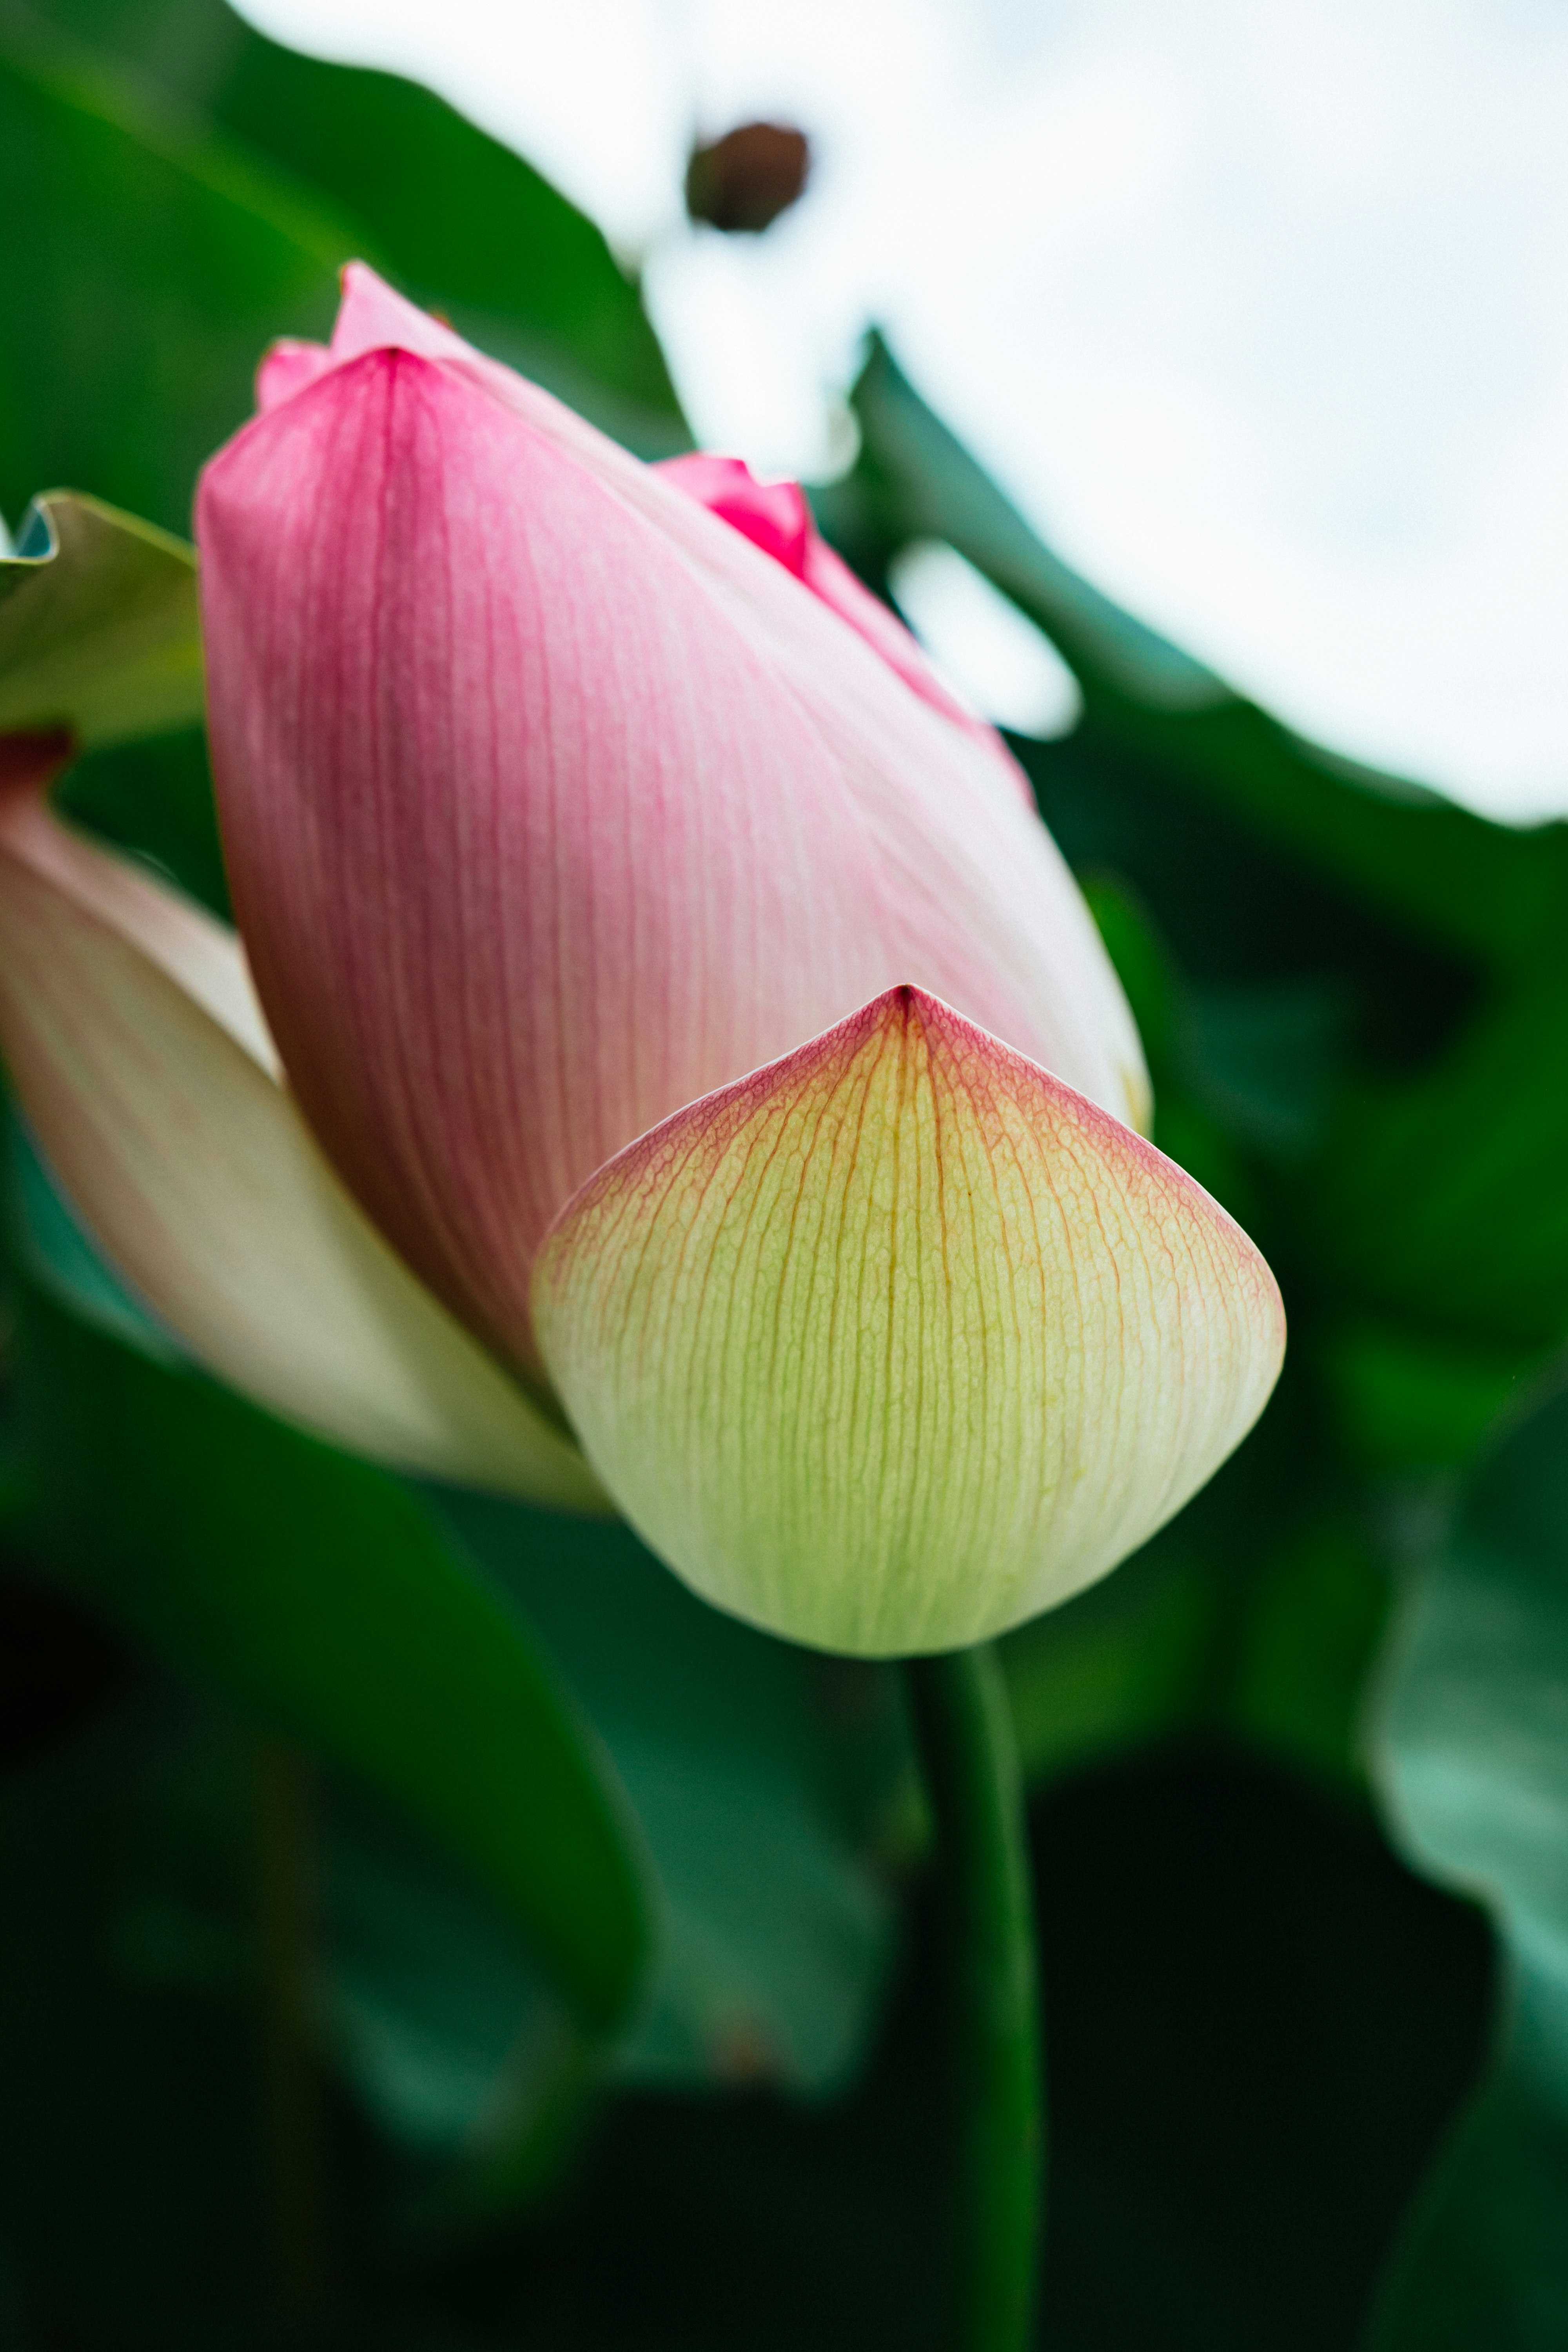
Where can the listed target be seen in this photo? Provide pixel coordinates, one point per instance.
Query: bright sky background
(1258, 307)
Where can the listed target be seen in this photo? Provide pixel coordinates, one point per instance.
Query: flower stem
(964, 1728)
(284, 1825)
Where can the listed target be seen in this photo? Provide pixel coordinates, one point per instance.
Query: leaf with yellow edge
(141, 1061)
(98, 624)
(899, 1340)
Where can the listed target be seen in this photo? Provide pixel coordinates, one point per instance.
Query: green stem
(284, 1859)
(966, 1731)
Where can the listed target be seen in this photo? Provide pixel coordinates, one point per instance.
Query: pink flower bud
(678, 981)
(555, 797)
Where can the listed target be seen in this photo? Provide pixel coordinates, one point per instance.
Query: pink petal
(776, 517)
(550, 802)
(287, 369)
(135, 1046)
(525, 850)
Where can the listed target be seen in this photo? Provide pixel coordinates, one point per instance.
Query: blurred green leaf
(1314, 1617)
(1476, 887)
(98, 624)
(1405, 1402)
(1117, 1667)
(156, 800)
(465, 224)
(317, 1594)
(774, 1930)
(422, 1996)
(1472, 1750)
(459, 220)
(1223, 1624)
(445, 2026)
(130, 2166)
(158, 260)
(1443, 1199)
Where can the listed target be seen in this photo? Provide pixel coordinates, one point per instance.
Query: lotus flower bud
(550, 802)
(681, 1004)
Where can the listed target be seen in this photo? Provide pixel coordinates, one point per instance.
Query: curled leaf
(99, 630)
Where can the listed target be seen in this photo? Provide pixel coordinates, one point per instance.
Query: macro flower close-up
(560, 794)
(709, 913)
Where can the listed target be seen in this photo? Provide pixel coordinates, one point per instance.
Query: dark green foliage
(460, 221)
(156, 801)
(1260, 2022)
(314, 1591)
(181, 195)
(1477, 1758)
(153, 264)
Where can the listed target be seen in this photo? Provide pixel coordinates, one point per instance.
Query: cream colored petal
(900, 1340)
(143, 1064)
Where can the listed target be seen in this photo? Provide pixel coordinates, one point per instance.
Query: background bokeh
(1257, 311)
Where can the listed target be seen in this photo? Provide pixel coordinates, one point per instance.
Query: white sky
(1258, 307)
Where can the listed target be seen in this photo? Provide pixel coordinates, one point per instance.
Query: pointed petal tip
(372, 312)
(287, 368)
(267, 474)
(899, 1340)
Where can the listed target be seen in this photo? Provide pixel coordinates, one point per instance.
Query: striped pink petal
(776, 517)
(552, 802)
(139, 1055)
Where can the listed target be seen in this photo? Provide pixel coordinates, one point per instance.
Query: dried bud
(745, 180)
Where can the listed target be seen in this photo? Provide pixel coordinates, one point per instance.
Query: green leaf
(158, 262)
(99, 628)
(439, 2016)
(462, 222)
(422, 1996)
(1116, 1667)
(1478, 887)
(154, 800)
(1473, 1752)
(1407, 1403)
(734, 1750)
(466, 224)
(129, 2164)
(1443, 1197)
(317, 1594)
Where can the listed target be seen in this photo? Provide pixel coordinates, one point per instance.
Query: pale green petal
(900, 1340)
(98, 624)
(137, 1053)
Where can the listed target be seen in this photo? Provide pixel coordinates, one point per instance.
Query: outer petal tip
(287, 369)
(777, 519)
(899, 1340)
